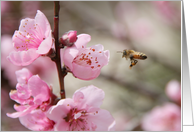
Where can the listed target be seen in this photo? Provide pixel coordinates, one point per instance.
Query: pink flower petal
(23, 58)
(39, 89)
(107, 53)
(69, 55)
(93, 96)
(22, 41)
(60, 110)
(21, 113)
(78, 96)
(82, 40)
(37, 121)
(20, 107)
(26, 25)
(97, 47)
(23, 75)
(14, 96)
(62, 125)
(85, 73)
(103, 120)
(42, 22)
(45, 45)
(23, 91)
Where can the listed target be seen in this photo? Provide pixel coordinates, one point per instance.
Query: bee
(132, 55)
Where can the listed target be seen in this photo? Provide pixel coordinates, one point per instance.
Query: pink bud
(69, 38)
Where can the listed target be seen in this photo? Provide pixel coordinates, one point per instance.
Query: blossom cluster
(38, 108)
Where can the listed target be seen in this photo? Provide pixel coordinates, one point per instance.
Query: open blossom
(163, 118)
(41, 66)
(173, 91)
(82, 112)
(85, 62)
(31, 93)
(32, 40)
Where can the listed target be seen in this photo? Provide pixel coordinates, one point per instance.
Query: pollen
(100, 52)
(67, 104)
(96, 112)
(93, 49)
(92, 67)
(98, 65)
(25, 23)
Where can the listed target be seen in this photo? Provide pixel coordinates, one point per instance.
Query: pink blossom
(173, 91)
(43, 66)
(69, 38)
(37, 121)
(31, 93)
(32, 40)
(163, 118)
(85, 63)
(82, 112)
(5, 6)
(169, 12)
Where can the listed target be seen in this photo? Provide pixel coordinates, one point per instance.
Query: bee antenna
(119, 51)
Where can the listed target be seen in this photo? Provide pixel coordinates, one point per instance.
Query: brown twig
(57, 48)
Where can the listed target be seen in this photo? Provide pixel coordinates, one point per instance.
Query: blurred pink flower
(130, 22)
(140, 29)
(169, 12)
(33, 39)
(163, 118)
(85, 63)
(37, 121)
(82, 112)
(43, 66)
(173, 91)
(31, 93)
(5, 6)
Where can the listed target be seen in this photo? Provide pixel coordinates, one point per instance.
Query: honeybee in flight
(132, 55)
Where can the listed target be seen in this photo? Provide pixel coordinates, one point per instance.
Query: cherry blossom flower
(173, 91)
(31, 93)
(85, 63)
(32, 40)
(37, 121)
(163, 118)
(43, 66)
(82, 112)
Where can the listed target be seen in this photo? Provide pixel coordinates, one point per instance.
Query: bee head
(124, 52)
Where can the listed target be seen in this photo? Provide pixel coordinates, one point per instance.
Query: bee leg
(135, 61)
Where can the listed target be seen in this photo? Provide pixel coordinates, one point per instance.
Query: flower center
(77, 120)
(29, 37)
(87, 58)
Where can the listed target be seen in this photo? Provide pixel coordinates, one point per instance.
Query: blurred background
(131, 96)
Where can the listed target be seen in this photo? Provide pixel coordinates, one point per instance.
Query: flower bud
(69, 38)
